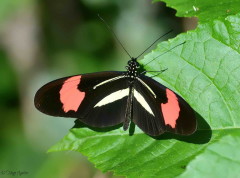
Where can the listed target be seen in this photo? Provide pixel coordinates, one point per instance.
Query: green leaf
(221, 159)
(138, 155)
(204, 10)
(206, 72)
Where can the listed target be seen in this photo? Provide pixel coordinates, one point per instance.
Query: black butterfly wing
(106, 104)
(146, 114)
(97, 99)
(174, 112)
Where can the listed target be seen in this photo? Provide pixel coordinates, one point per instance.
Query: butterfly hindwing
(178, 116)
(97, 99)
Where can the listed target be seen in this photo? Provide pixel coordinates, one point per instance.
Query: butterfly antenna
(111, 30)
(165, 52)
(154, 43)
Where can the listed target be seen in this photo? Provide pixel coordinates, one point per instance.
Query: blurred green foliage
(44, 40)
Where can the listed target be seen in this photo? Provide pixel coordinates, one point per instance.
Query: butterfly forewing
(105, 105)
(97, 99)
(146, 114)
(178, 116)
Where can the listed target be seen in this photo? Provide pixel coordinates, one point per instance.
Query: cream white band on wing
(144, 84)
(109, 80)
(117, 95)
(142, 102)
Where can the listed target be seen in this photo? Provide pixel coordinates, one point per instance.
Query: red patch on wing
(171, 109)
(70, 96)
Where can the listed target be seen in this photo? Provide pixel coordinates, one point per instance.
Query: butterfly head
(132, 68)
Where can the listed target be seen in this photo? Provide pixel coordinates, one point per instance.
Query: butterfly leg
(158, 72)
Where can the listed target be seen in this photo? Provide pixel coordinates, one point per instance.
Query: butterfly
(106, 99)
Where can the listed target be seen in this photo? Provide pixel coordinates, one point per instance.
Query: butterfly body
(106, 99)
